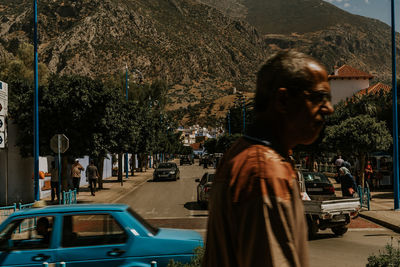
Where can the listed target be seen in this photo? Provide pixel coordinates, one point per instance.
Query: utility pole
(36, 105)
(126, 95)
(229, 121)
(244, 113)
(394, 109)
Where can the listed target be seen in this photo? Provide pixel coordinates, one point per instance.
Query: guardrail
(69, 197)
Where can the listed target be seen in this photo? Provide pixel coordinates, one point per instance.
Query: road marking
(367, 229)
(130, 191)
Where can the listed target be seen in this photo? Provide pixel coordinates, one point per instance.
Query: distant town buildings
(198, 134)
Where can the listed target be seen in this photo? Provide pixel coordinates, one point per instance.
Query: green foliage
(195, 262)
(360, 134)
(96, 118)
(22, 66)
(390, 257)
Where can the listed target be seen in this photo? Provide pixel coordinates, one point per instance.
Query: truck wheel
(339, 230)
(312, 228)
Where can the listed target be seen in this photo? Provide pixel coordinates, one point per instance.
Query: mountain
(202, 48)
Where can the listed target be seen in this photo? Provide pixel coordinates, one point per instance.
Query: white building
(346, 81)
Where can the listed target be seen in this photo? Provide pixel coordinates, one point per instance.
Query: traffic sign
(2, 140)
(59, 143)
(2, 123)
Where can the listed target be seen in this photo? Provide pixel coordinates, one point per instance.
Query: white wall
(342, 89)
(16, 183)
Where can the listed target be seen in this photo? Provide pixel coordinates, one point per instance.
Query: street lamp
(126, 95)
(394, 116)
(244, 113)
(36, 105)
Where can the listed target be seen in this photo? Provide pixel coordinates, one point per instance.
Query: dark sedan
(318, 184)
(166, 171)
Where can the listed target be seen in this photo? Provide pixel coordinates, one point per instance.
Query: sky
(378, 9)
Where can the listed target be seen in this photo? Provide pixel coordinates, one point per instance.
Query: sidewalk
(382, 210)
(112, 190)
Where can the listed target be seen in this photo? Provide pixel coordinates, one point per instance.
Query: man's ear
(282, 100)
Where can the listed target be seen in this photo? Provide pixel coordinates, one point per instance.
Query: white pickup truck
(324, 212)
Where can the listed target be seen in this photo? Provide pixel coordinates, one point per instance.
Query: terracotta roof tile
(348, 72)
(375, 89)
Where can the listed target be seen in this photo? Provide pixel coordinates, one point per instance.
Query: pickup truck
(324, 211)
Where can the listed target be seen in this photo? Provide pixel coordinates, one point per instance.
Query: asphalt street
(173, 204)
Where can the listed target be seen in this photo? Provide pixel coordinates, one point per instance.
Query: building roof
(348, 72)
(375, 89)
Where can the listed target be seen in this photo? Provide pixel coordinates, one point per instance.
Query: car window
(153, 230)
(211, 178)
(91, 230)
(203, 179)
(315, 177)
(27, 234)
(165, 165)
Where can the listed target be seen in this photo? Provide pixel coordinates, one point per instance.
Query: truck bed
(330, 205)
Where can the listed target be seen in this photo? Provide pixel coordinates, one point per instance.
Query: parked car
(90, 235)
(318, 184)
(166, 171)
(204, 189)
(185, 160)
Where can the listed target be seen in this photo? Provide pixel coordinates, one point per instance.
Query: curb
(383, 223)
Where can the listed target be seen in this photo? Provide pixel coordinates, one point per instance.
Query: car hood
(178, 234)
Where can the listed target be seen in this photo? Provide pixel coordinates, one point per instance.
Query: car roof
(72, 208)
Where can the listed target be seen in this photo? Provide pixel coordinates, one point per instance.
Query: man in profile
(256, 213)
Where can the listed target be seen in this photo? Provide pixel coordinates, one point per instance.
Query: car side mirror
(197, 180)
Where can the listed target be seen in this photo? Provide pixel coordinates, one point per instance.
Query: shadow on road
(194, 206)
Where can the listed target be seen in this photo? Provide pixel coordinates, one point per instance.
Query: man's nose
(327, 108)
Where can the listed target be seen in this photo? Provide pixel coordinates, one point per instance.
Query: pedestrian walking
(76, 174)
(92, 174)
(55, 189)
(256, 213)
(347, 182)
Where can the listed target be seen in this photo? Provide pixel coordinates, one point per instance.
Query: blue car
(91, 235)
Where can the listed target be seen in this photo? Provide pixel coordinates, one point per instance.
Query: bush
(390, 257)
(195, 262)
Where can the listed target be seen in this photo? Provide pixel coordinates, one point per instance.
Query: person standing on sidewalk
(92, 174)
(256, 213)
(55, 190)
(76, 174)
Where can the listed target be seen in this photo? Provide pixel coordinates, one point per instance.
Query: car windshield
(315, 177)
(153, 230)
(166, 165)
(211, 178)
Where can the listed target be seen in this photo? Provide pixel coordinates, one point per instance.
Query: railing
(365, 196)
(6, 211)
(69, 197)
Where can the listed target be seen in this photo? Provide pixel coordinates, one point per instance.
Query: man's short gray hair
(285, 69)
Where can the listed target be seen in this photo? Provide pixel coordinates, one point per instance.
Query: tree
(359, 135)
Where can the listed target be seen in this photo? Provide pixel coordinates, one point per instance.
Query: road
(173, 204)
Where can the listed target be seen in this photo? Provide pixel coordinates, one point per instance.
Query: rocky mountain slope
(202, 48)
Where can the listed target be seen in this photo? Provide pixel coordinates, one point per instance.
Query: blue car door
(28, 242)
(92, 240)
